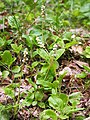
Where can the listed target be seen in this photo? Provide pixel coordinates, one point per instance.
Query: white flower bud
(42, 7)
(0, 73)
(55, 47)
(23, 60)
(26, 59)
(73, 36)
(37, 38)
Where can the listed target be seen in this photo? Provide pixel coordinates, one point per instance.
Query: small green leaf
(2, 42)
(46, 114)
(34, 64)
(39, 95)
(64, 98)
(34, 103)
(41, 104)
(5, 74)
(4, 115)
(86, 68)
(70, 44)
(81, 75)
(74, 98)
(85, 8)
(63, 117)
(32, 83)
(16, 48)
(59, 53)
(67, 36)
(44, 83)
(76, 95)
(29, 41)
(86, 53)
(16, 69)
(55, 84)
(7, 58)
(18, 75)
(9, 92)
(43, 54)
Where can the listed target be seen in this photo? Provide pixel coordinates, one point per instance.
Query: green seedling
(16, 48)
(62, 110)
(7, 58)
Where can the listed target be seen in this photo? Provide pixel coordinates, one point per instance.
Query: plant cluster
(31, 49)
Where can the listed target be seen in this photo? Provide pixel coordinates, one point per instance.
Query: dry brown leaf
(80, 63)
(77, 49)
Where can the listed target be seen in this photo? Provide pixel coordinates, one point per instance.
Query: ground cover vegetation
(44, 60)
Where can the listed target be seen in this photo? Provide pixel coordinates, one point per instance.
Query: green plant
(16, 48)
(7, 58)
(87, 52)
(61, 108)
(37, 39)
(4, 43)
(10, 107)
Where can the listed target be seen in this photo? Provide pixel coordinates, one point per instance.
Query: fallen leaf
(77, 49)
(80, 64)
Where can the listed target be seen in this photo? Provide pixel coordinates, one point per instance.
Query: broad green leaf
(16, 48)
(5, 74)
(67, 109)
(9, 42)
(34, 64)
(36, 32)
(74, 98)
(59, 53)
(4, 116)
(54, 65)
(29, 41)
(41, 104)
(61, 43)
(44, 83)
(86, 53)
(7, 58)
(56, 102)
(39, 95)
(43, 54)
(18, 75)
(55, 84)
(87, 50)
(28, 99)
(9, 92)
(14, 21)
(44, 68)
(70, 109)
(67, 36)
(16, 69)
(76, 95)
(64, 98)
(14, 85)
(34, 103)
(85, 8)
(46, 114)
